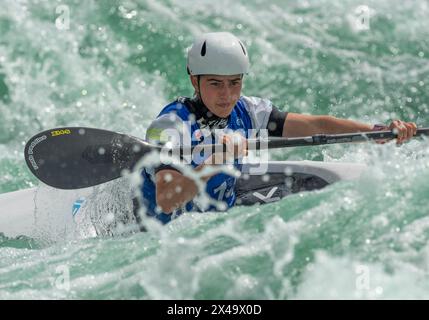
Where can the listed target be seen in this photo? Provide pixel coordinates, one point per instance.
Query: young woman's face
(219, 93)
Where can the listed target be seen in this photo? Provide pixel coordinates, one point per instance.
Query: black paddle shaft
(323, 139)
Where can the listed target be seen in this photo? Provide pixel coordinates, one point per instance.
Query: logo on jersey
(198, 134)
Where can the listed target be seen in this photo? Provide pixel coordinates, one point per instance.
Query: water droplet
(136, 148)
(168, 177)
(110, 217)
(288, 171)
(379, 290)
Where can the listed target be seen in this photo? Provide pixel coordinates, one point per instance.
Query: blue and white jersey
(177, 125)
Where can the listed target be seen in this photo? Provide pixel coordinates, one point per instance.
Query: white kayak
(43, 211)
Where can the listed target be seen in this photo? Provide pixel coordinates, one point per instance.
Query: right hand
(404, 130)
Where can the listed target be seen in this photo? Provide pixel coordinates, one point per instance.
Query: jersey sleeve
(167, 128)
(276, 122)
(265, 115)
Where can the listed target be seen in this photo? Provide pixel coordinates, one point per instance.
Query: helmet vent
(203, 49)
(242, 47)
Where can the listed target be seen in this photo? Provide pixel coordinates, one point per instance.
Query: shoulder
(171, 118)
(177, 107)
(257, 103)
(259, 110)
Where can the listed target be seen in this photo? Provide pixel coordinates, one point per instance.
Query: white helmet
(219, 53)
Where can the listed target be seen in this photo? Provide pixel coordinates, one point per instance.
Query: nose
(225, 91)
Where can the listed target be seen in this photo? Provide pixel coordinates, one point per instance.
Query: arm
(289, 125)
(301, 125)
(173, 189)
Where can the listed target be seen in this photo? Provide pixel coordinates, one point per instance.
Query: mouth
(223, 105)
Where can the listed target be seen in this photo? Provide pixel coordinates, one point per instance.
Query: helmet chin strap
(199, 92)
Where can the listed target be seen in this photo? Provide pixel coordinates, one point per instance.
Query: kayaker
(217, 63)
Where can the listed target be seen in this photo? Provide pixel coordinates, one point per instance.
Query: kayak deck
(21, 211)
(284, 178)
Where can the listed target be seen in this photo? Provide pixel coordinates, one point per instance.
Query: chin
(223, 113)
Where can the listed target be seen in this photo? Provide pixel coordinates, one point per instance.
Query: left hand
(404, 130)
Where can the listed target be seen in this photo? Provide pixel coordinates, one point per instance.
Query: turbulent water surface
(115, 64)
